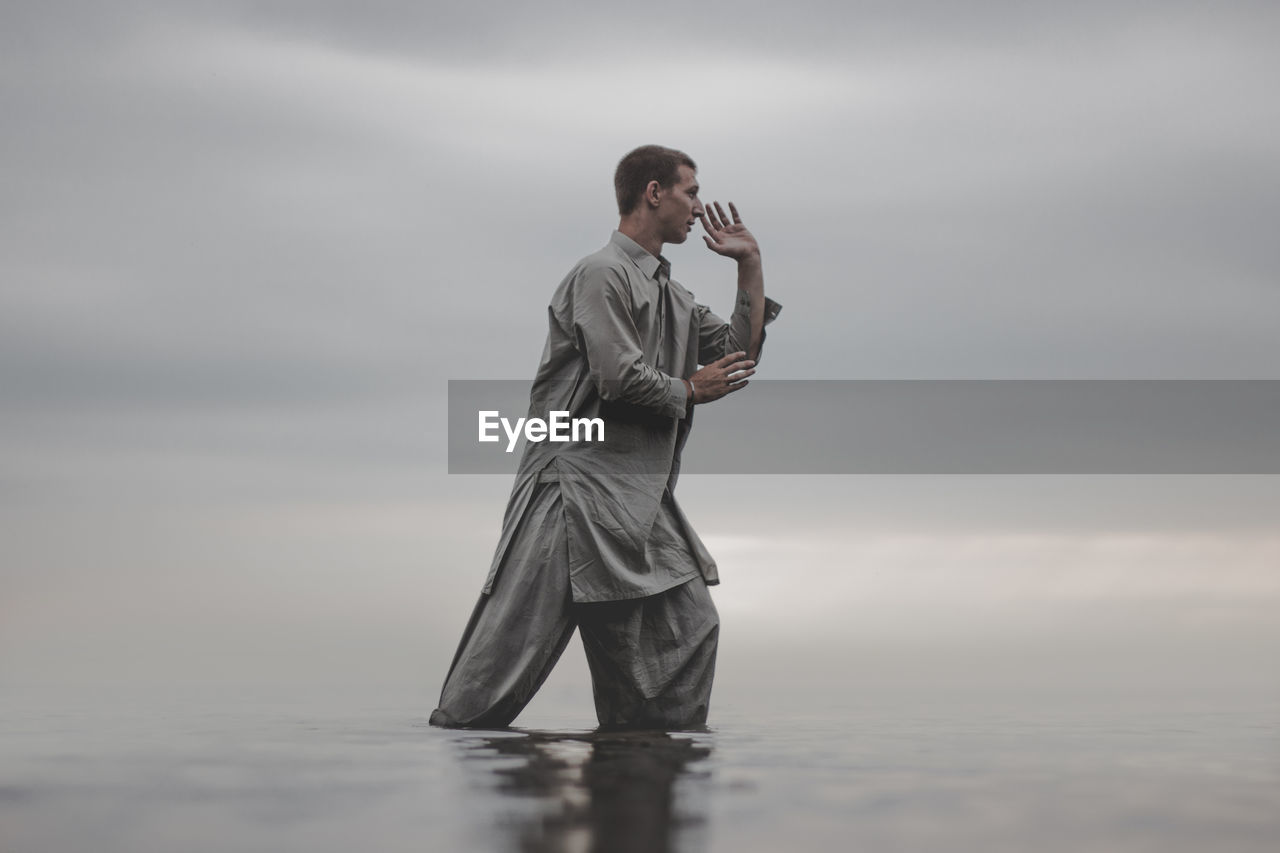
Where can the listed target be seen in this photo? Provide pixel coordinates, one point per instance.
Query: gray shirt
(622, 335)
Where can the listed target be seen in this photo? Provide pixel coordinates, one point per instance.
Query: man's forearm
(751, 280)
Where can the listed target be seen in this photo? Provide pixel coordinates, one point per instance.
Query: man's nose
(698, 209)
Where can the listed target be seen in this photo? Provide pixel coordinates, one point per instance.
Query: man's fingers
(712, 236)
(716, 215)
(725, 375)
(717, 220)
(720, 213)
(737, 220)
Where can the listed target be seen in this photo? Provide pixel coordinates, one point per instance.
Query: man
(593, 537)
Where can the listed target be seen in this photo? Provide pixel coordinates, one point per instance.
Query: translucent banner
(907, 427)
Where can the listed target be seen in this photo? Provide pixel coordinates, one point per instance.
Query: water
(272, 772)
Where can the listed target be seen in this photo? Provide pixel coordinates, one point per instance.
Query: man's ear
(651, 190)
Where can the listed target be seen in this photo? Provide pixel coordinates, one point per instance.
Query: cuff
(743, 305)
(677, 398)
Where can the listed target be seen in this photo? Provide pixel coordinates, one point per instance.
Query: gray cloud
(245, 244)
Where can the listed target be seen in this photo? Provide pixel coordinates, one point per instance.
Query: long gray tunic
(622, 334)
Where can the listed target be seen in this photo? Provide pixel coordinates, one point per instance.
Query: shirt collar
(649, 264)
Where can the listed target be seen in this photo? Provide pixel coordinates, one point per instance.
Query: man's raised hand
(728, 237)
(721, 377)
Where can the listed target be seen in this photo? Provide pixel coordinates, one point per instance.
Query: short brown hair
(647, 163)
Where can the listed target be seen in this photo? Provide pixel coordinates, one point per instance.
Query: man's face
(679, 207)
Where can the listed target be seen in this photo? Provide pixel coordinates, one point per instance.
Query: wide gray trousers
(652, 659)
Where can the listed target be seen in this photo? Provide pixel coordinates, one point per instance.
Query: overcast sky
(245, 245)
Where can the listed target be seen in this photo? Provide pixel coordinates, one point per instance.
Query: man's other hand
(721, 377)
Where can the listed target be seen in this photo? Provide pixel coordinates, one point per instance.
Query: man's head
(647, 164)
(659, 186)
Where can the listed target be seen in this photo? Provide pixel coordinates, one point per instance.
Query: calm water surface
(192, 772)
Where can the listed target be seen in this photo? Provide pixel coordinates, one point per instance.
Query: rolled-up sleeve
(604, 331)
(716, 338)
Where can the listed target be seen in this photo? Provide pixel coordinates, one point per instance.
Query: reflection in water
(599, 791)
